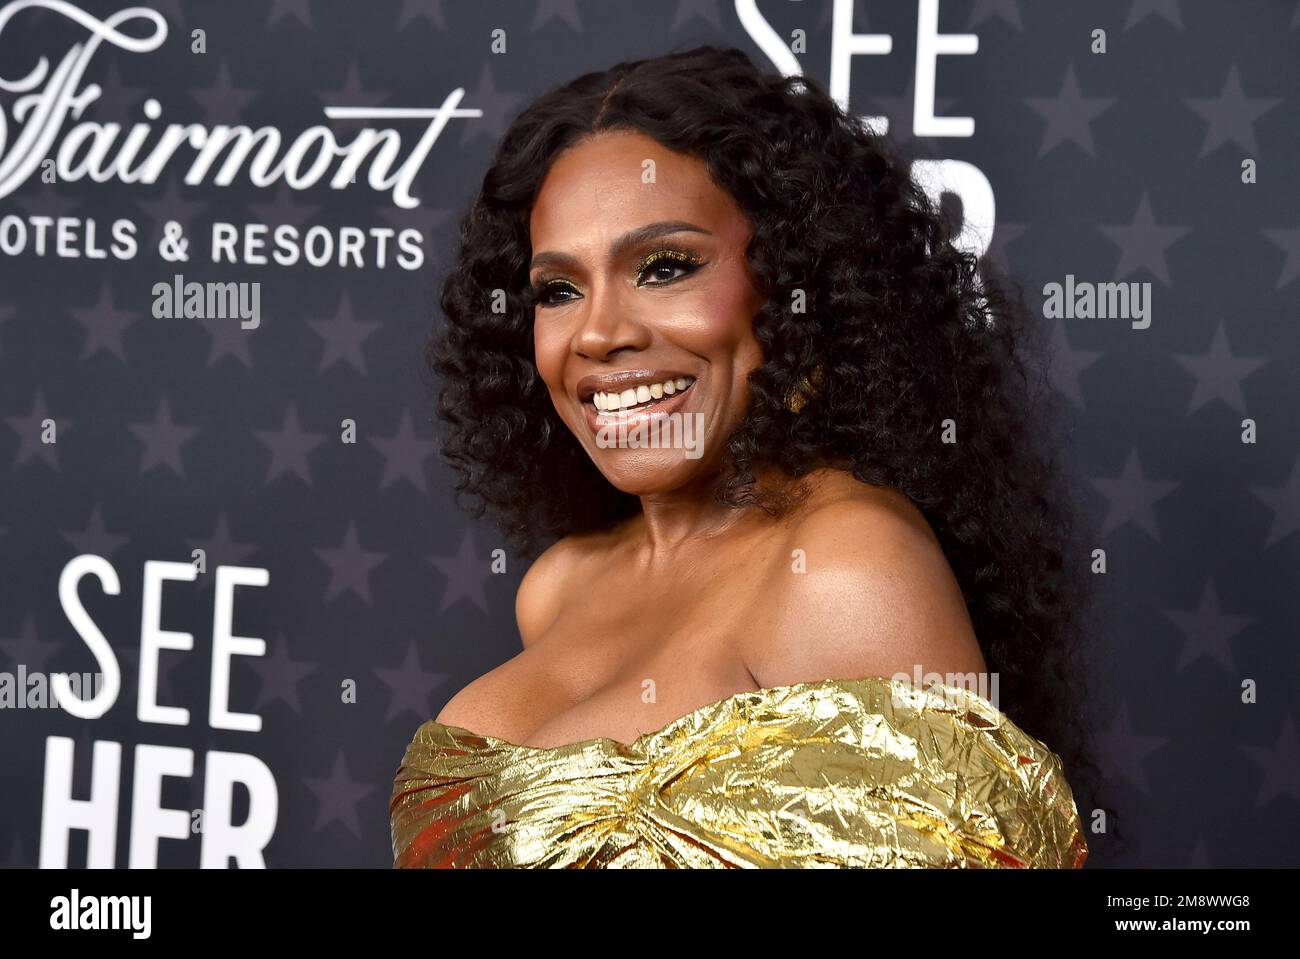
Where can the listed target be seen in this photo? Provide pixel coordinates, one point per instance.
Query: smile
(638, 404)
(636, 399)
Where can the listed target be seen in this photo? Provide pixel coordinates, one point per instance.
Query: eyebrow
(628, 240)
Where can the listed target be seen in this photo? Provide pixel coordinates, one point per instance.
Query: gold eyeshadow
(657, 257)
(672, 256)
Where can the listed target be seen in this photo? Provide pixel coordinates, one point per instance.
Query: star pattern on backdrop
(427, 10)
(1069, 115)
(343, 334)
(498, 109)
(1141, 9)
(1284, 501)
(1067, 363)
(1131, 497)
(338, 796)
(162, 440)
(95, 538)
(289, 448)
(227, 337)
(286, 205)
(465, 574)
(1127, 750)
(30, 430)
(221, 101)
(1207, 630)
(690, 11)
(350, 567)
(1288, 239)
(47, 200)
(221, 549)
(410, 687)
(565, 11)
(196, 433)
(176, 203)
(278, 675)
(353, 93)
(27, 648)
(286, 10)
(983, 11)
(1005, 234)
(1219, 373)
(1231, 116)
(118, 99)
(1142, 243)
(1279, 765)
(104, 325)
(404, 455)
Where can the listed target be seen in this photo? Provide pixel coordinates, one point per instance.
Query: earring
(797, 398)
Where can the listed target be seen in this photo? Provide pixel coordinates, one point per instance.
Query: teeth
(640, 395)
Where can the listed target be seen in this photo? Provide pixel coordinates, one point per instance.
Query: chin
(647, 472)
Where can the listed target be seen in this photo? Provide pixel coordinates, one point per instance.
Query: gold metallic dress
(836, 773)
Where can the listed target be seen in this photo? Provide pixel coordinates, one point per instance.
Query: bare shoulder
(541, 596)
(861, 587)
(545, 584)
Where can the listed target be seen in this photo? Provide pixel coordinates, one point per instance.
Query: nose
(608, 323)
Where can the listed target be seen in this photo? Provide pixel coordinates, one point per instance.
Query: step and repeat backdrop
(233, 580)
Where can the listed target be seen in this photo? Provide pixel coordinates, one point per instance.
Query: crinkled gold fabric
(865, 772)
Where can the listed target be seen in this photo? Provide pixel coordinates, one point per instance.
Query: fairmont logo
(45, 100)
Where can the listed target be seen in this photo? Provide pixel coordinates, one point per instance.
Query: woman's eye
(542, 295)
(657, 270)
(662, 269)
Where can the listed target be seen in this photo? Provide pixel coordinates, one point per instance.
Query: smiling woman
(716, 647)
(640, 284)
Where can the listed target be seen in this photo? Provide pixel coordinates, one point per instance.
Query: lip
(598, 420)
(620, 380)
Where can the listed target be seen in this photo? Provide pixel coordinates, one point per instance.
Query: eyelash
(655, 259)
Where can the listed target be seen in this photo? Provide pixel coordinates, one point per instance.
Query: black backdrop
(139, 436)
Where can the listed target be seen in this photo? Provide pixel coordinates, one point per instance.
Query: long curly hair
(911, 342)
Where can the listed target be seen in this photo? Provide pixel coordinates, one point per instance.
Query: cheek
(549, 348)
(720, 322)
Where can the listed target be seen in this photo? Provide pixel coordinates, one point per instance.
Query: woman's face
(644, 328)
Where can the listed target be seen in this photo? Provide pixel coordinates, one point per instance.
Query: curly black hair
(909, 340)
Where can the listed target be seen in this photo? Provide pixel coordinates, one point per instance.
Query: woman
(841, 490)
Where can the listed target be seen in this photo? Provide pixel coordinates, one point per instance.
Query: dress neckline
(948, 697)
